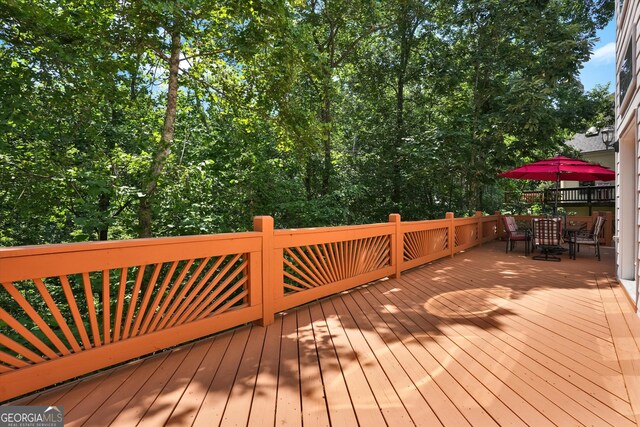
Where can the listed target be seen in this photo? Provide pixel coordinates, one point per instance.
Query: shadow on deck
(483, 338)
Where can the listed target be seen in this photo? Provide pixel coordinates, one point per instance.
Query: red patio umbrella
(561, 168)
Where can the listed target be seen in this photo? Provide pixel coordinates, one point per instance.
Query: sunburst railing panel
(424, 241)
(317, 263)
(90, 316)
(466, 233)
(489, 229)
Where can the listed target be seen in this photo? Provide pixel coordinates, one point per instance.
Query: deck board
(483, 338)
(536, 341)
(186, 409)
(339, 402)
(217, 395)
(562, 390)
(365, 405)
(113, 404)
(265, 394)
(312, 391)
(414, 403)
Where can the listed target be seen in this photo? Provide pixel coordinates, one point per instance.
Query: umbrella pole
(555, 204)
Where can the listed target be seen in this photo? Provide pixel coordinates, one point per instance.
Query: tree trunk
(396, 194)
(103, 205)
(145, 208)
(325, 115)
(308, 178)
(405, 52)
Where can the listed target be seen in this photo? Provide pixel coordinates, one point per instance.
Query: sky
(601, 68)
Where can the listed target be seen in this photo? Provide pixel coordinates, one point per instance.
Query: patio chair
(547, 234)
(514, 235)
(591, 238)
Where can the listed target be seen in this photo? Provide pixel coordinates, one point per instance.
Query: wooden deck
(480, 339)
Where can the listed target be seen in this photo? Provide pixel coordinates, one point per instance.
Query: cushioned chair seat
(547, 234)
(592, 238)
(515, 235)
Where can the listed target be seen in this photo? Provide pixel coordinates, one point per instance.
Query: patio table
(571, 231)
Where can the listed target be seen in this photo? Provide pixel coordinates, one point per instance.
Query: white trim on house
(627, 160)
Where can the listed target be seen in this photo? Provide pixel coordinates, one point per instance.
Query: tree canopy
(123, 118)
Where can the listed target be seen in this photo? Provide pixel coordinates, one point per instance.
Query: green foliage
(318, 113)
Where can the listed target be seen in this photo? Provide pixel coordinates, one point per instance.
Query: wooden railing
(67, 310)
(575, 195)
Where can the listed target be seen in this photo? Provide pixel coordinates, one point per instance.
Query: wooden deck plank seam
(541, 378)
(276, 375)
(568, 327)
(448, 352)
(156, 381)
(507, 320)
(235, 377)
(322, 371)
(104, 411)
(357, 370)
(622, 332)
(629, 313)
(167, 384)
(336, 393)
(310, 363)
(282, 412)
(479, 348)
(236, 363)
(186, 387)
(568, 294)
(445, 370)
(562, 319)
(567, 414)
(89, 383)
(419, 362)
(527, 323)
(238, 401)
(159, 416)
(391, 376)
(356, 339)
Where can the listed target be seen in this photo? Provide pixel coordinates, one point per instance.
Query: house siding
(627, 160)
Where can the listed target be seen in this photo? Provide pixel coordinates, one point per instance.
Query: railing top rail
(432, 224)
(315, 236)
(19, 251)
(467, 220)
(341, 228)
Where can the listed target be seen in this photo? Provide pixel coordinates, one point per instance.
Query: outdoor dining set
(550, 235)
(547, 235)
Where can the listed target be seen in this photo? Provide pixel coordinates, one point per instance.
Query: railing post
(480, 226)
(264, 225)
(452, 233)
(499, 230)
(397, 246)
(608, 228)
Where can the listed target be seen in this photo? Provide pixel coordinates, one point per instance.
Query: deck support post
(499, 229)
(478, 215)
(264, 225)
(452, 233)
(397, 246)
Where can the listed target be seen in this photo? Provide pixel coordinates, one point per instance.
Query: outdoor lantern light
(608, 136)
